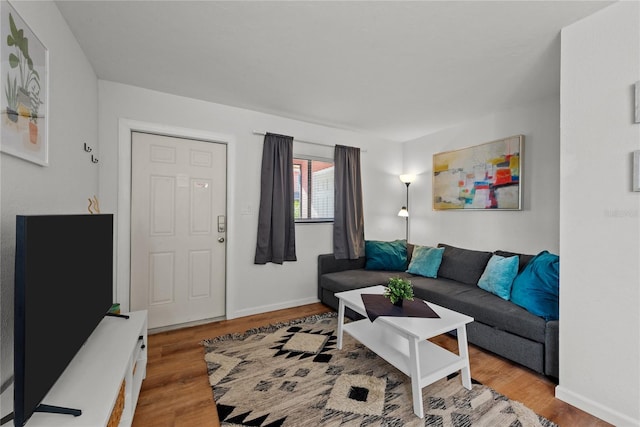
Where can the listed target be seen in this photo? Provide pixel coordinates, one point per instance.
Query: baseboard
(184, 325)
(594, 408)
(272, 307)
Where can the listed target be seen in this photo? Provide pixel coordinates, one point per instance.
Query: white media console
(115, 352)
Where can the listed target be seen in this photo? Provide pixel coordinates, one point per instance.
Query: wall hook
(87, 148)
(94, 159)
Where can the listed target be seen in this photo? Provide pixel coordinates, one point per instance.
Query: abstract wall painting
(24, 77)
(483, 177)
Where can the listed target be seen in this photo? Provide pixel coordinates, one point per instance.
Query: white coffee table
(402, 341)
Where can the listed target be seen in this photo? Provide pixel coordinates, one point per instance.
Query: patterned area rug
(293, 375)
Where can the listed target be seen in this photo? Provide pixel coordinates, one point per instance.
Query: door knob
(221, 239)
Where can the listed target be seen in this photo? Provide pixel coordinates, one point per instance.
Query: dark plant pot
(13, 115)
(398, 303)
(24, 103)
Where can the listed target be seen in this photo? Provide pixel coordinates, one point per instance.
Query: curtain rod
(260, 132)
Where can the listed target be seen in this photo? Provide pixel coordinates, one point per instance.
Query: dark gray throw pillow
(462, 265)
(523, 259)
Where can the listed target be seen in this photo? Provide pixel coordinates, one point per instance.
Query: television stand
(58, 410)
(121, 316)
(114, 354)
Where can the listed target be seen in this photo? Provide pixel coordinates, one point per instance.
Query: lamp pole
(406, 179)
(407, 218)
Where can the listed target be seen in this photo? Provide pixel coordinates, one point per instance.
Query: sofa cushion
(355, 279)
(523, 259)
(388, 256)
(483, 306)
(410, 247)
(425, 261)
(498, 276)
(462, 265)
(537, 287)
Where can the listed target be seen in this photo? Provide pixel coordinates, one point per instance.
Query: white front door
(178, 228)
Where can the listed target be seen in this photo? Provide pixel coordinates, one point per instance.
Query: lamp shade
(403, 212)
(407, 178)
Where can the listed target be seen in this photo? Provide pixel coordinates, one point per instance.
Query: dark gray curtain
(348, 221)
(276, 224)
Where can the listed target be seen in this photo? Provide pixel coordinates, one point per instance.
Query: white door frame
(123, 212)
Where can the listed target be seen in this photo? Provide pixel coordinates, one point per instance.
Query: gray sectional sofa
(500, 326)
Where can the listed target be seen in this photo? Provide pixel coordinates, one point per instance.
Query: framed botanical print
(24, 77)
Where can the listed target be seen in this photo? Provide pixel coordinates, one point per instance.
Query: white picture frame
(636, 171)
(24, 100)
(637, 102)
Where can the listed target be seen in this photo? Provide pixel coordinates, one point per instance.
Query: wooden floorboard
(176, 391)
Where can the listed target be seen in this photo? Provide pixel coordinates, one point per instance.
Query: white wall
(70, 179)
(251, 288)
(531, 230)
(599, 216)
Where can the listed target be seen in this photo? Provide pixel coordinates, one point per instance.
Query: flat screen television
(63, 289)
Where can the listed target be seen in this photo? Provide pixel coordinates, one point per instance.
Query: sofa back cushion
(410, 248)
(462, 265)
(388, 256)
(523, 259)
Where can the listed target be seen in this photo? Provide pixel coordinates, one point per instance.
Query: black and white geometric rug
(293, 375)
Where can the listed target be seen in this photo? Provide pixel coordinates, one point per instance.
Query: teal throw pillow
(425, 261)
(537, 287)
(498, 275)
(388, 256)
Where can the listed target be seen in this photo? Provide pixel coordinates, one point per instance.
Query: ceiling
(395, 69)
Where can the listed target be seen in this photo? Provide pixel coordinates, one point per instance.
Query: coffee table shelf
(435, 362)
(403, 342)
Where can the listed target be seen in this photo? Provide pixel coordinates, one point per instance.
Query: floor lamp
(404, 212)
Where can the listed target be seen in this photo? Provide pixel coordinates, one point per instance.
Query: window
(313, 189)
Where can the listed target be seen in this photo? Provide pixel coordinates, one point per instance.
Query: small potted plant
(398, 290)
(11, 92)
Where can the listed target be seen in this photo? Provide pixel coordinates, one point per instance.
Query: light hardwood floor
(176, 391)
